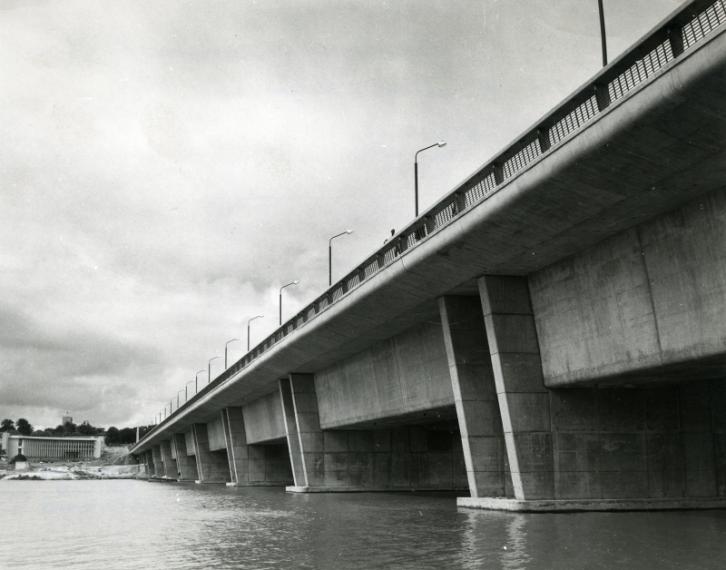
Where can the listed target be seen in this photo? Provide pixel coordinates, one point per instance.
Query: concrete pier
(212, 466)
(253, 465)
(158, 466)
(168, 462)
(185, 459)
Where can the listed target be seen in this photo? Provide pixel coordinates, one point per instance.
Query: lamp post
(280, 296)
(330, 254)
(196, 381)
(209, 368)
(226, 344)
(415, 170)
(186, 395)
(177, 397)
(603, 40)
(248, 329)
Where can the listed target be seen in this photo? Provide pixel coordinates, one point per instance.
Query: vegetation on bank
(112, 435)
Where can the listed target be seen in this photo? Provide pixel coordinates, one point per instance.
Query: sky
(166, 166)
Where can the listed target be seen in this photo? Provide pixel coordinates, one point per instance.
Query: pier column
(302, 427)
(251, 465)
(212, 466)
(523, 400)
(475, 396)
(186, 464)
(149, 461)
(236, 439)
(156, 458)
(169, 463)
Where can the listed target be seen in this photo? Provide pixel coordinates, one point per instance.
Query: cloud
(165, 166)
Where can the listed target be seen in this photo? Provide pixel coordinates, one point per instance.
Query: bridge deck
(651, 149)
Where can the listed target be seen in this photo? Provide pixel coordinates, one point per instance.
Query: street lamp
(415, 170)
(248, 329)
(280, 298)
(603, 40)
(209, 368)
(226, 344)
(330, 254)
(196, 380)
(186, 395)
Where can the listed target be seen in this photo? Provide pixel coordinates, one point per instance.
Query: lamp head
(349, 232)
(441, 143)
(296, 282)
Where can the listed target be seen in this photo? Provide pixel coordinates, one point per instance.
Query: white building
(52, 448)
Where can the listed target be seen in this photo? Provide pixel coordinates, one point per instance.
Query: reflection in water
(132, 524)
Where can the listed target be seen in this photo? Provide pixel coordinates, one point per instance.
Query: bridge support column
(148, 458)
(212, 466)
(523, 400)
(302, 428)
(475, 396)
(156, 459)
(186, 464)
(252, 465)
(236, 440)
(168, 462)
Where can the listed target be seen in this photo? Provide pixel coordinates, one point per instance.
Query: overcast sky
(165, 166)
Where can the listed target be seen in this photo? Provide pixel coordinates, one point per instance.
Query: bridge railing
(682, 30)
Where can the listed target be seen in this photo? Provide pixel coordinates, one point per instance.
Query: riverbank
(69, 472)
(109, 466)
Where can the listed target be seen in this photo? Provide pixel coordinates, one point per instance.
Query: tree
(7, 425)
(69, 428)
(127, 435)
(24, 427)
(112, 436)
(86, 429)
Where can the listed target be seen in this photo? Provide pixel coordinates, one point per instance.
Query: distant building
(67, 419)
(53, 448)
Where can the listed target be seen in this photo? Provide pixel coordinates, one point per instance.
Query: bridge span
(550, 335)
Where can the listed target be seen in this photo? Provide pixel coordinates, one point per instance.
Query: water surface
(134, 524)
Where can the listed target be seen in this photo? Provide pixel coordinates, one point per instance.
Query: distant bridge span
(589, 253)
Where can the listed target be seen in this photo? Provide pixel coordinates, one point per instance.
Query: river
(130, 524)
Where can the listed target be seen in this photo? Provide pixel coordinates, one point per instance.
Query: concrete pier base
(576, 505)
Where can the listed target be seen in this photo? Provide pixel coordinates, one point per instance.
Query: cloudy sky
(165, 166)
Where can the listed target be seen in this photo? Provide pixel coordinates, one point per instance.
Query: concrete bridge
(550, 335)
